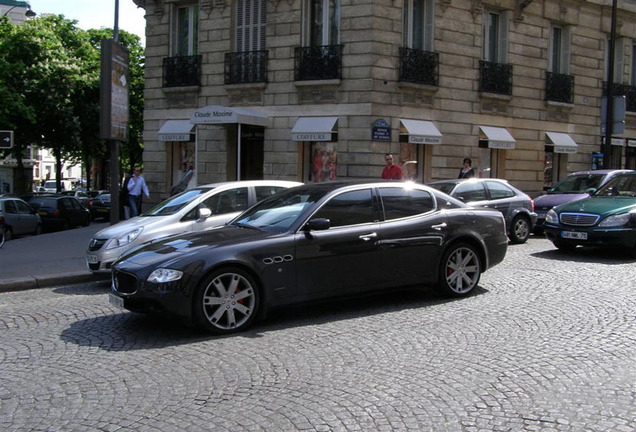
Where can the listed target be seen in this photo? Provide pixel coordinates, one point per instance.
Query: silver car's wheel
(520, 230)
(460, 270)
(227, 301)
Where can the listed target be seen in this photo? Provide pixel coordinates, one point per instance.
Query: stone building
(315, 90)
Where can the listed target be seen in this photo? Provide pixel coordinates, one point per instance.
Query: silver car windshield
(173, 204)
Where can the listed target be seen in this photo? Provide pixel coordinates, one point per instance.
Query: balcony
(495, 78)
(318, 63)
(182, 71)
(419, 67)
(246, 67)
(559, 87)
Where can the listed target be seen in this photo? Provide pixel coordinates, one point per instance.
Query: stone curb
(33, 282)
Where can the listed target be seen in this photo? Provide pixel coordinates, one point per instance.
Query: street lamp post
(609, 121)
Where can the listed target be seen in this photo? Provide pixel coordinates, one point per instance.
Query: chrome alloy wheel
(229, 302)
(461, 270)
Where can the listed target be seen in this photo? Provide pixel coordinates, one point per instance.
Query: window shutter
(504, 30)
(429, 30)
(566, 35)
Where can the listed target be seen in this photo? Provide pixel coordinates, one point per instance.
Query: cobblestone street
(548, 343)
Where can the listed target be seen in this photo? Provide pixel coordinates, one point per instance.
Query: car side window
(23, 208)
(10, 208)
(228, 201)
(499, 190)
(401, 202)
(470, 191)
(348, 208)
(263, 192)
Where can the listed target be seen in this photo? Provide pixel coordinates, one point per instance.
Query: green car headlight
(164, 275)
(552, 216)
(615, 220)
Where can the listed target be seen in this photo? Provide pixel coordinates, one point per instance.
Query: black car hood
(180, 245)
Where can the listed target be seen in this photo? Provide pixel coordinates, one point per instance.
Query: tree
(49, 90)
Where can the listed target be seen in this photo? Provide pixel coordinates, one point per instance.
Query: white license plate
(574, 235)
(91, 259)
(116, 301)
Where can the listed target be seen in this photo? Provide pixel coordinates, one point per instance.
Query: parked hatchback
(18, 218)
(192, 210)
(574, 187)
(516, 206)
(60, 212)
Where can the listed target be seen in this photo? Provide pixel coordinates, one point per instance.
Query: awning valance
(618, 142)
(216, 114)
(631, 143)
(419, 132)
(497, 137)
(314, 129)
(175, 130)
(562, 142)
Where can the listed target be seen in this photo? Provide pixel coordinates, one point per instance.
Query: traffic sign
(6, 139)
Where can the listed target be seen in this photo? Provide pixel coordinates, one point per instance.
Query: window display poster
(324, 161)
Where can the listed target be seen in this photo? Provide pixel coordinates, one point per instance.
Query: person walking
(467, 170)
(136, 186)
(391, 171)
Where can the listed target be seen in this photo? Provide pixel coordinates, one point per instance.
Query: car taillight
(90, 202)
(56, 213)
(531, 203)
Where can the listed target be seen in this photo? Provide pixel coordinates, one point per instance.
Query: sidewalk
(48, 259)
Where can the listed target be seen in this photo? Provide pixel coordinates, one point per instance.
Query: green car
(606, 218)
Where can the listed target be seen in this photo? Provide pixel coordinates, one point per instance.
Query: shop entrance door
(252, 151)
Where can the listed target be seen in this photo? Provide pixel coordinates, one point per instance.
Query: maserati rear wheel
(460, 270)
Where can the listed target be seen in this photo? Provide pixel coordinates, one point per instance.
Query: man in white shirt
(136, 186)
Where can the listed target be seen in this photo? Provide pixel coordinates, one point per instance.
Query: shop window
(324, 162)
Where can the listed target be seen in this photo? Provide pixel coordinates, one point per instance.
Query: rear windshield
(37, 203)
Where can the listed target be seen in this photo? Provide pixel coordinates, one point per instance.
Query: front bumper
(601, 237)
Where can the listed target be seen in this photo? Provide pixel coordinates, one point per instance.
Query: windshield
(279, 212)
(173, 204)
(574, 184)
(620, 186)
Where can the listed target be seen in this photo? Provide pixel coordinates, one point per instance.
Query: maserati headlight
(164, 275)
(125, 239)
(552, 216)
(615, 221)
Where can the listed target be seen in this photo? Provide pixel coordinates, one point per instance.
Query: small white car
(195, 209)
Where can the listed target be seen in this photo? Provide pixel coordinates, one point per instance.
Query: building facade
(317, 90)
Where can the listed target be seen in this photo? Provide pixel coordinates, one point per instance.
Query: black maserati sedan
(311, 242)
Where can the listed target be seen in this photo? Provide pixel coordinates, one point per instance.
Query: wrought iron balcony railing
(419, 67)
(318, 62)
(495, 77)
(624, 90)
(182, 71)
(559, 87)
(246, 67)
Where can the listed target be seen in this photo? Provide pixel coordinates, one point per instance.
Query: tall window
(560, 50)
(250, 25)
(418, 24)
(495, 36)
(619, 59)
(185, 31)
(322, 22)
(633, 79)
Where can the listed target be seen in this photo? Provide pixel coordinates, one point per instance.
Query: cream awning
(216, 114)
(497, 137)
(562, 142)
(175, 130)
(314, 129)
(420, 131)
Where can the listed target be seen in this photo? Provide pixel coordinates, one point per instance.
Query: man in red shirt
(391, 170)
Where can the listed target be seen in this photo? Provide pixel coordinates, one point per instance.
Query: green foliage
(49, 89)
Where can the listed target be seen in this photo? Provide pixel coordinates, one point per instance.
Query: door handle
(439, 226)
(367, 237)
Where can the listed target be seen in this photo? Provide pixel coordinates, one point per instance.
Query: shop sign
(214, 115)
(504, 145)
(417, 139)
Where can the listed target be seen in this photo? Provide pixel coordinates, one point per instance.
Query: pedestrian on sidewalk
(136, 186)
